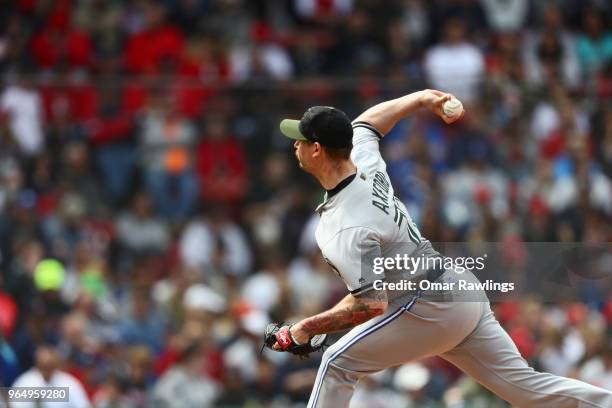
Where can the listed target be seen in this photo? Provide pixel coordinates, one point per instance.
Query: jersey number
(399, 217)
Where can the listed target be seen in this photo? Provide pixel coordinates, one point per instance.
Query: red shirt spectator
(8, 317)
(134, 97)
(147, 51)
(76, 101)
(204, 60)
(52, 47)
(191, 96)
(221, 165)
(201, 67)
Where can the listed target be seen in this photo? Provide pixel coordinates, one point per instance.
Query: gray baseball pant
(464, 333)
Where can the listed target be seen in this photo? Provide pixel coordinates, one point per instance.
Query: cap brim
(291, 129)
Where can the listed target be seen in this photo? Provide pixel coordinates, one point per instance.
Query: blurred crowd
(152, 219)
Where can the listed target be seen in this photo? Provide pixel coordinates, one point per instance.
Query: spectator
(10, 312)
(260, 62)
(47, 374)
(157, 47)
(358, 40)
(506, 16)
(203, 65)
(166, 141)
(242, 353)
(102, 21)
(112, 394)
(311, 286)
(140, 375)
(9, 364)
(578, 180)
(561, 351)
(112, 135)
(60, 45)
(65, 227)
(269, 201)
(77, 173)
(185, 385)
(477, 190)
(222, 167)
(78, 347)
(549, 53)
(22, 103)
(603, 140)
(371, 392)
(144, 325)
(598, 369)
(215, 245)
(415, 22)
(139, 231)
(595, 45)
(455, 65)
(413, 379)
(268, 288)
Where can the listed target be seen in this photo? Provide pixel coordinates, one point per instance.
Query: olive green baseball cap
(324, 124)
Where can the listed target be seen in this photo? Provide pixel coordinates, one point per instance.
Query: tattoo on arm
(347, 314)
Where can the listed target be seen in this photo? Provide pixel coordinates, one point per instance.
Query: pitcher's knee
(342, 374)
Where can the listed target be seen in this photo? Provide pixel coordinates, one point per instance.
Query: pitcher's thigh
(424, 330)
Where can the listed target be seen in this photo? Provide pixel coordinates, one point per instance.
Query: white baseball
(452, 107)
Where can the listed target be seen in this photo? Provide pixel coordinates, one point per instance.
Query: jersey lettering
(380, 190)
(383, 207)
(382, 201)
(378, 194)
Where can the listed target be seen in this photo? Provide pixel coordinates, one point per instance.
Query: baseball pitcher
(360, 219)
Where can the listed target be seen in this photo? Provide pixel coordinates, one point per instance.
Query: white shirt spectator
(198, 246)
(142, 234)
(178, 388)
(560, 360)
(243, 353)
(506, 15)
(310, 288)
(24, 107)
(455, 68)
(546, 120)
(565, 193)
(262, 291)
(33, 378)
(462, 187)
(414, 21)
(569, 64)
(271, 60)
(595, 372)
(201, 297)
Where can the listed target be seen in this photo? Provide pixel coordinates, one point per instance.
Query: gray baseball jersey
(361, 218)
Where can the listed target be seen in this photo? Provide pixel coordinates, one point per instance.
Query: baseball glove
(277, 333)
